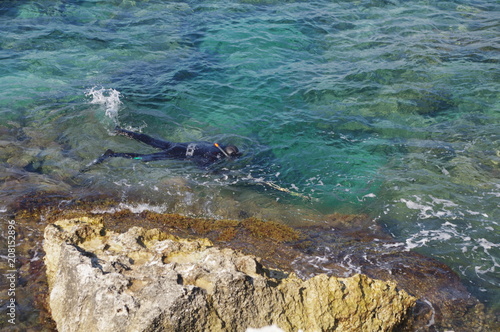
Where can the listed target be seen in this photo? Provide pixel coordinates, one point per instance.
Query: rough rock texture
(148, 280)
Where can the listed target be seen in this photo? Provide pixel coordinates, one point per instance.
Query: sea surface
(387, 108)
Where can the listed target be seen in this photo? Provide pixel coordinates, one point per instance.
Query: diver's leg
(109, 154)
(156, 143)
(136, 156)
(127, 155)
(151, 156)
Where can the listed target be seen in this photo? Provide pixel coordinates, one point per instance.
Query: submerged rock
(149, 280)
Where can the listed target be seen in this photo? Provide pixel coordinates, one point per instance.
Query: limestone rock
(148, 280)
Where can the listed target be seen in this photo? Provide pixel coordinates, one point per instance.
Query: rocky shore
(149, 280)
(97, 243)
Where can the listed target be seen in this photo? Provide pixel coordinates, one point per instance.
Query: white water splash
(440, 208)
(432, 320)
(137, 208)
(109, 98)
(370, 195)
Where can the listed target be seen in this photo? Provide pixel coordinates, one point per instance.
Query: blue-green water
(389, 108)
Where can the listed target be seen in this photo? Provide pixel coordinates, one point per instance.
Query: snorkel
(222, 150)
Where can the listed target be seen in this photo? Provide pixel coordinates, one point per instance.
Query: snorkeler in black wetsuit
(202, 153)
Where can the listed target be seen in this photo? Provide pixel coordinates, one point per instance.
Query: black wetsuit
(202, 153)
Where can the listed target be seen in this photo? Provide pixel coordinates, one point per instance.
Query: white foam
(496, 194)
(448, 231)
(436, 207)
(488, 270)
(347, 263)
(432, 319)
(393, 245)
(138, 208)
(122, 182)
(444, 171)
(371, 195)
(425, 210)
(315, 181)
(109, 98)
(487, 244)
(444, 202)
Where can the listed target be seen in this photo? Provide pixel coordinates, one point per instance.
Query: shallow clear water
(389, 108)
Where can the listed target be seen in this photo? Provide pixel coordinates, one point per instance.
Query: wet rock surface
(443, 301)
(148, 280)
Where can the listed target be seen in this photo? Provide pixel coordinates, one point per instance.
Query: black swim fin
(108, 153)
(99, 160)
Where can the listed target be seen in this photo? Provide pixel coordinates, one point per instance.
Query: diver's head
(232, 151)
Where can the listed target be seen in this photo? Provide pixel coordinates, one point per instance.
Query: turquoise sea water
(389, 108)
